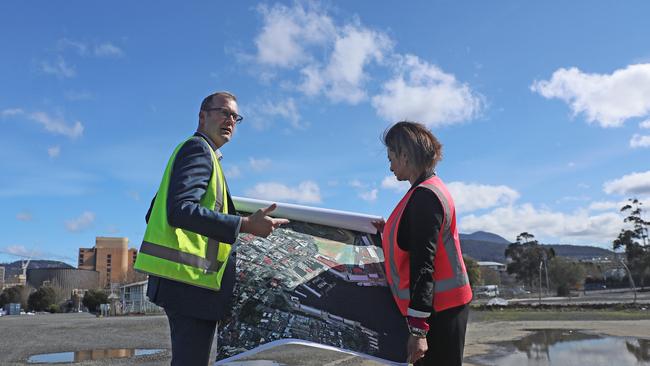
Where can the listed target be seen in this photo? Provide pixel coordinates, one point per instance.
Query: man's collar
(217, 152)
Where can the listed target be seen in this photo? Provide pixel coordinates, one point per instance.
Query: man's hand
(379, 225)
(259, 224)
(416, 348)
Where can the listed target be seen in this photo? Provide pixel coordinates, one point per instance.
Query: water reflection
(565, 347)
(96, 354)
(537, 345)
(640, 349)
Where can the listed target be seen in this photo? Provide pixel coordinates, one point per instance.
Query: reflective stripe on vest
(182, 255)
(451, 289)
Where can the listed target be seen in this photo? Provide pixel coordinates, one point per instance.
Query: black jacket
(418, 234)
(188, 182)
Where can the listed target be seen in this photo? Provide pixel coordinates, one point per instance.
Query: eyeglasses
(227, 113)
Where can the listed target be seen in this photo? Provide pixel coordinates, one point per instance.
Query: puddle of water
(564, 347)
(97, 354)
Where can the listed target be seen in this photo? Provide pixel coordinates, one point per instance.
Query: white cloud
(134, 195)
(11, 112)
(105, 49)
(390, 182)
(59, 68)
(645, 124)
(640, 141)
(80, 223)
(54, 151)
(471, 197)
(312, 80)
(233, 172)
(286, 110)
(631, 184)
(305, 192)
(370, 196)
(606, 205)
(606, 99)
(108, 50)
(259, 164)
(424, 93)
(78, 95)
(293, 37)
(65, 43)
(579, 227)
(287, 32)
(24, 216)
(356, 183)
(354, 49)
(57, 125)
(18, 250)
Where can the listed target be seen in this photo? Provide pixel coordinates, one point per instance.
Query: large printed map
(317, 283)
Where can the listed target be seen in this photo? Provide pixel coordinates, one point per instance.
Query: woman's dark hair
(422, 148)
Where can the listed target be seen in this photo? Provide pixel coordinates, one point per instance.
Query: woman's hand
(416, 348)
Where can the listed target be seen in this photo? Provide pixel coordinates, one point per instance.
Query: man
(190, 229)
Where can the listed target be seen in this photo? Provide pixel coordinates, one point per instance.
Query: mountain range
(485, 246)
(15, 268)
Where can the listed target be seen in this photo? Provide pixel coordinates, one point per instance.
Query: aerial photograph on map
(315, 283)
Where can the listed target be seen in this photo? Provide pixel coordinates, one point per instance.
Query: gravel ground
(23, 336)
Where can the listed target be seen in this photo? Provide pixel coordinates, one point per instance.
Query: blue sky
(543, 109)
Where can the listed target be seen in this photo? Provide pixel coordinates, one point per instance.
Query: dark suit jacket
(188, 182)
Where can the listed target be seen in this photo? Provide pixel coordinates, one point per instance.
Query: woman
(423, 260)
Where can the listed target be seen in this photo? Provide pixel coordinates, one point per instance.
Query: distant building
(112, 258)
(134, 299)
(2, 278)
(69, 280)
(499, 267)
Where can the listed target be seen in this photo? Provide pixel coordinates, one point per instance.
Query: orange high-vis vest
(452, 286)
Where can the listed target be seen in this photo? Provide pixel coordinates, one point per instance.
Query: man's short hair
(207, 101)
(422, 148)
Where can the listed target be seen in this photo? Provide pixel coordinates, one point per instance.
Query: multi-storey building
(2, 278)
(112, 258)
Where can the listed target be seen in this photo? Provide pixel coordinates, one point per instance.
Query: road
(591, 297)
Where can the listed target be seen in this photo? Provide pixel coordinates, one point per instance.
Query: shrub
(93, 298)
(42, 299)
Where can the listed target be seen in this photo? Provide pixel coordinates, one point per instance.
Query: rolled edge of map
(316, 215)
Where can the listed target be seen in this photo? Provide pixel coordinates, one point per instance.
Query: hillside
(14, 268)
(491, 247)
(484, 236)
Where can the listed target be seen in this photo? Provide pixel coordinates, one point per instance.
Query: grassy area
(524, 314)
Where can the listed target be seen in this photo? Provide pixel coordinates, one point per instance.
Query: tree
(473, 271)
(635, 240)
(565, 274)
(93, 298)
(15, 294)
(490, 276)
(525, 256)
(42, 299)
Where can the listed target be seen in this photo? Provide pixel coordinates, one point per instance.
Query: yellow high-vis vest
(182, 255)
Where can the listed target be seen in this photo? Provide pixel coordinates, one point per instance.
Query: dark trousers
(191, 339)
(446, 338)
